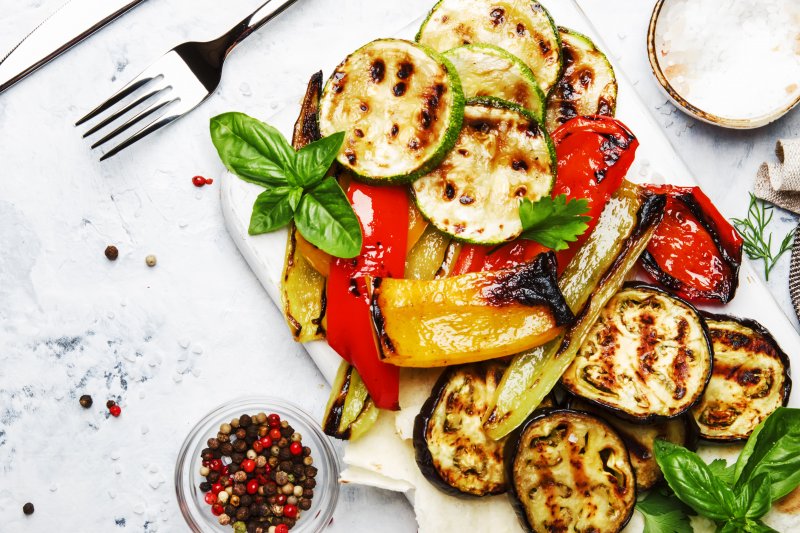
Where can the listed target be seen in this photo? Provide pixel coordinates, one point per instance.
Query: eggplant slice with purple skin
(647, 357)
(639, 439)
(452, 450)
(570, 471)
(750, 379)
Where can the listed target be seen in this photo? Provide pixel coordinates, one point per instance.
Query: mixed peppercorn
(258, 475)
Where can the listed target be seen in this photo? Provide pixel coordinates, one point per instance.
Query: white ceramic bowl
(784, 94)
(187, 470)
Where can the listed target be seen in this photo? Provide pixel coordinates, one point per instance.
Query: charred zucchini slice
(452, 450)
(587, 86)
(570, 471)
(486, 70)
(749, 380)
(647, 357)
(501, 156)
(400, 105)
(640, 438)
(467, 318)
(523, 27)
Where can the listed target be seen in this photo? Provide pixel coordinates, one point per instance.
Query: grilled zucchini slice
(750, 379)
(648, 356)
(486, 70)
(451, 448)
(570, 471)
(640, 438)
(587, 86)
(400, 105)
(501, 156)
(523, 27)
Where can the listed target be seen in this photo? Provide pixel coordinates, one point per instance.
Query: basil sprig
(296, 184)
(736, 499)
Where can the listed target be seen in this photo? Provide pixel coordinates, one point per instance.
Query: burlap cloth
(779, 183)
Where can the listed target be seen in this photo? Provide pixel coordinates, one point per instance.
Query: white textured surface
(73, 323)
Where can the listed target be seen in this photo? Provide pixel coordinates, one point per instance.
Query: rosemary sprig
(757, 243)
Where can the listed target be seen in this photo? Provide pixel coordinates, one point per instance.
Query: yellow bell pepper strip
(468, 318)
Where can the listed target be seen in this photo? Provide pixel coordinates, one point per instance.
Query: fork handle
(268, 10)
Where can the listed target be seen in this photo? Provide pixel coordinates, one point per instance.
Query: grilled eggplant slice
(401, 107)
(350, 411)
(468, 318)
(451, 448)
(587, 86)
(570, 471)
(749, 380)
(591, 278)
(523, 27)
(502, 155)
(639, 439)
(647, 357)
(303, 287)
(486, 70)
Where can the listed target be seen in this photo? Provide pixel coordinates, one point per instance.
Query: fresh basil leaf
(314, 160)
(664, 513)
(774, 449)
(757, 526)
(273, 209)
(327, 220)
(745, 525)
(753, 499)
(254, 151)
(693, 482)
(723, 471)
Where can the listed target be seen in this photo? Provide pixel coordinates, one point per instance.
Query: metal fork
(188, 75)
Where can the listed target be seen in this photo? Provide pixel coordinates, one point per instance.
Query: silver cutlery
(70, 24)
(175, 84)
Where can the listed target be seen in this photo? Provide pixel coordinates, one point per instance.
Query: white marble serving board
(656, 162)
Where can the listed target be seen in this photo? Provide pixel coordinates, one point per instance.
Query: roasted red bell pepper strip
(694, 252)
(383, 212)
(594, 154)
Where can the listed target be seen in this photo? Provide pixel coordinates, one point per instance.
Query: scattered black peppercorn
(28, 508)
(112, 253)
(110, 403)
(86, 401)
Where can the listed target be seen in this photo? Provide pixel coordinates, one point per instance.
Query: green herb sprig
(757, 243)
(296, 184)
(736, 497)
(554, 222)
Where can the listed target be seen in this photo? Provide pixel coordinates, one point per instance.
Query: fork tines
(142, 101)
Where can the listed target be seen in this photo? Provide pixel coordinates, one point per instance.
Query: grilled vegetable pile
(461, 201)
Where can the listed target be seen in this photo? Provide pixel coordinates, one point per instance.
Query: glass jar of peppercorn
(257, 465)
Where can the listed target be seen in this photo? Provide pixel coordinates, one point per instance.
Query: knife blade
(70, 24)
